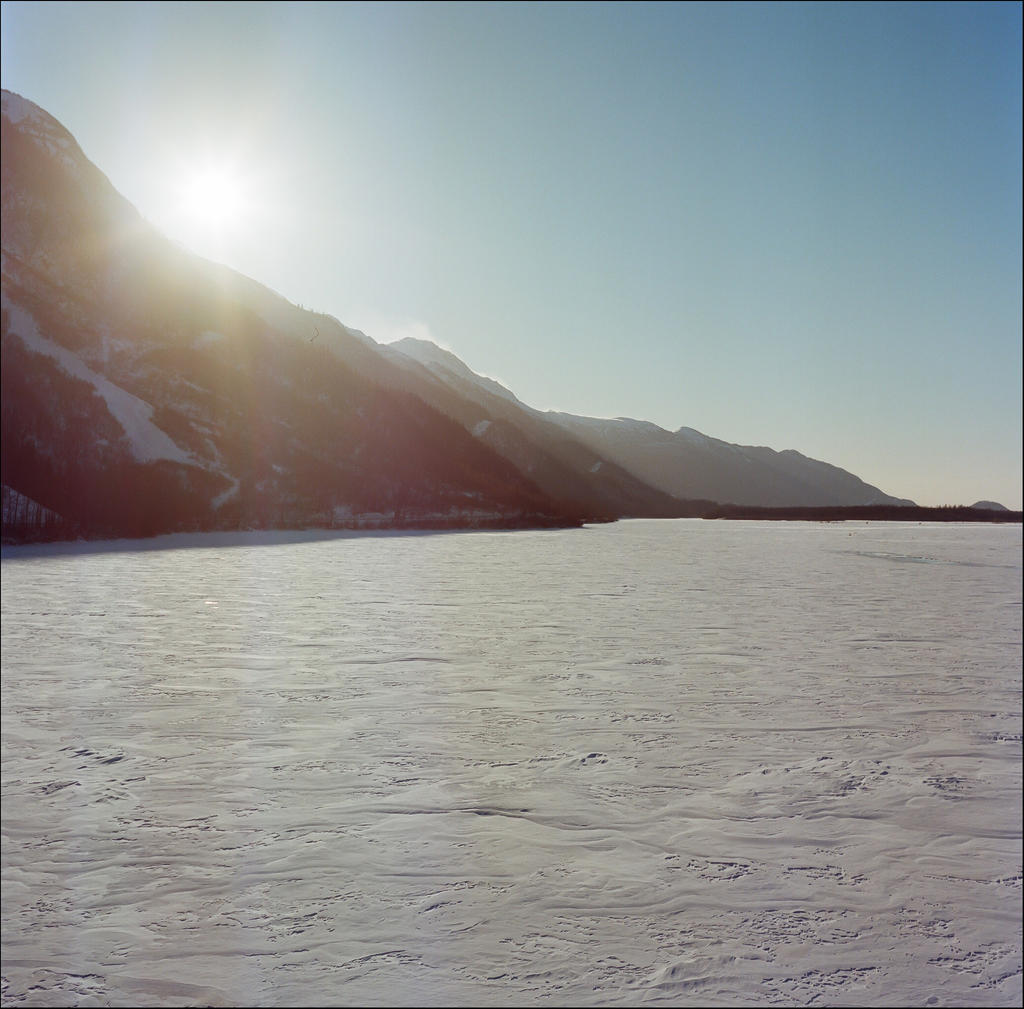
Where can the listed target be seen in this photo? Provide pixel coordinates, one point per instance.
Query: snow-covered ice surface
(681, 762)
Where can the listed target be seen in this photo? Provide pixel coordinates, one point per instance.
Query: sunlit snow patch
(134, 415)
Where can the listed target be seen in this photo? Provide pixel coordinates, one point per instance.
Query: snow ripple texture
(682, 763)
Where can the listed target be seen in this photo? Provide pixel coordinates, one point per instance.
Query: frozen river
(670, 762)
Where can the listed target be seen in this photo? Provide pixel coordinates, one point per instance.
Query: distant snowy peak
(438, 361)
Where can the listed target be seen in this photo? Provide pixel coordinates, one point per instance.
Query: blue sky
(788, 225)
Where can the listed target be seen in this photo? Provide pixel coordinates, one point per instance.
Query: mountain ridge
(668, 460)
(183, 394)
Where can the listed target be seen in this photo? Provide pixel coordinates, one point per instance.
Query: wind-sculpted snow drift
(148, 390)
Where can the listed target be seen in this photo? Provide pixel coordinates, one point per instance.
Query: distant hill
(685, 464)
(992, 506)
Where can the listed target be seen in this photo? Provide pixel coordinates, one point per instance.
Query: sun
(214, 198)
(217, 203)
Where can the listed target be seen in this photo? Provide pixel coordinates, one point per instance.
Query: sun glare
(213, 198)
(217, 203)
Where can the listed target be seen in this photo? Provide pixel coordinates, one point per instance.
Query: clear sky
(786, 225)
